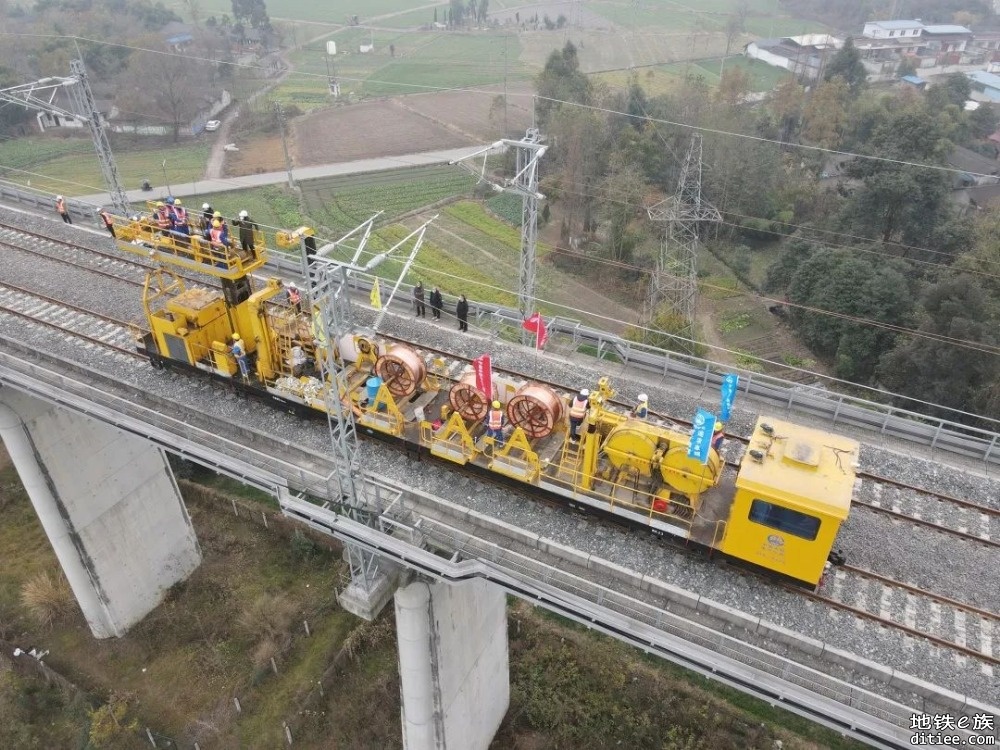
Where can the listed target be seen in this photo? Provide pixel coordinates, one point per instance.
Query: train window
(784, 519)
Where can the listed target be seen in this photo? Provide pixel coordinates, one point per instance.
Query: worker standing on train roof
(494, 424)
(718, 436)
(206, 218)
(180, 217)
(109, 222)
(62, 210)
(641, 409)
(577, 413)
(247, 228)
(239, 353)
(162, 217)
(216, 235)
(294, 298)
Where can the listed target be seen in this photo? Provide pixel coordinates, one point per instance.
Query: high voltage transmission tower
(674, 282)
(41, 96)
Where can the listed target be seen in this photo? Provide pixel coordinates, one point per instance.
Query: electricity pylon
(675, 280)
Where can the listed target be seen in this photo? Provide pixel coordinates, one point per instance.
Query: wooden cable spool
(402, 370)
(536, 409)
(468, 400)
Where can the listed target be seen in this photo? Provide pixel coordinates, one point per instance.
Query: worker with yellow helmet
(718, 436)
(239, 352)
(495, 421)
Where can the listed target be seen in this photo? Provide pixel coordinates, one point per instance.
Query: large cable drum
(468, 400)
(632, 445)
(536, 409)
(402, 370)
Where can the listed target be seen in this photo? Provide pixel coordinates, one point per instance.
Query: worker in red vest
(62, 210)
(162, 217)
(494, 424)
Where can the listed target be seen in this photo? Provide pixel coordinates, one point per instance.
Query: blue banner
(730, 383)
(701, 435)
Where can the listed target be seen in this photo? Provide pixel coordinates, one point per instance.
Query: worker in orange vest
(577, 413)
(62, 210)
(109, 222)
(494, 424)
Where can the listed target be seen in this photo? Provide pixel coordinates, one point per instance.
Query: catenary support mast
(41, 96)
(529, 151)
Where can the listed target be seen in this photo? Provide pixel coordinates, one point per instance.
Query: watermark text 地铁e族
(953, 731)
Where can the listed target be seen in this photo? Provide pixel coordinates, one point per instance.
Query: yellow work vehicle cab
(793, 491)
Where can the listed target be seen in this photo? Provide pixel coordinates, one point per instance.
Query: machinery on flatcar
(780, 509)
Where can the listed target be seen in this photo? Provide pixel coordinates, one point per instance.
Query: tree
(172, 87)
(826, 113)
(624, 182)
(959, 377)
(785, 103)
(907, 66)
(955, 89)
(983, 121)
(734, 28)
(733, 86)
(562, 79)
(457, 9)
(899, 196)
(855, 290)
(847, 65)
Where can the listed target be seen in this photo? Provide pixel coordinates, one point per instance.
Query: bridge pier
(109, 505)
(453, 664)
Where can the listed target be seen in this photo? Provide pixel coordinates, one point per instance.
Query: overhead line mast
(41, 96)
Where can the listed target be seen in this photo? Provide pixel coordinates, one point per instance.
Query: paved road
(302, 173)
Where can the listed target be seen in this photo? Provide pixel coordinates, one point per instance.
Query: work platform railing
(423, 534)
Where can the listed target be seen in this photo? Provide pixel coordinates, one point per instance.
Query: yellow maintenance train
(780, 509)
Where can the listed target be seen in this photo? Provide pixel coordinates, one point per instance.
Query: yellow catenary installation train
(781, 510)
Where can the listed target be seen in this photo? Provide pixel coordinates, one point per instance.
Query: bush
(269, 616)
(48, 598)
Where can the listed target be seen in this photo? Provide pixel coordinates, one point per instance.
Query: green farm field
(70, 166)
(332, 11)
(423, 60)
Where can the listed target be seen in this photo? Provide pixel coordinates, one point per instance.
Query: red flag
(484, 375)
(536, 325)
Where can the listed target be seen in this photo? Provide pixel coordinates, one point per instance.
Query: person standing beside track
(437, 302)
(462, 313)
(62, 210)
(240, 355)
(418, 300)
(109, 222)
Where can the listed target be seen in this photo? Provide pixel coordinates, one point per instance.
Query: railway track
(113, 336)
(934, 510)
(108, 264)
(966, 630)
(868, 596)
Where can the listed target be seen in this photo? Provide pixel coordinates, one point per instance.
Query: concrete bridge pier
(109, 505)
(453, 664)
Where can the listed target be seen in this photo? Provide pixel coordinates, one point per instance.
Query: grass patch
(591, 351)
(735, 322)
(763, 77)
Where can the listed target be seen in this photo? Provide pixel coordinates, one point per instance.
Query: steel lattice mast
(86, 107)
(41, 95)
(675, 280)
(524, 183)
(329, 297)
